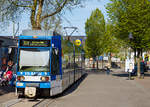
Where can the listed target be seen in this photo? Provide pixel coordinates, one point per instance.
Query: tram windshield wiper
(36, 74)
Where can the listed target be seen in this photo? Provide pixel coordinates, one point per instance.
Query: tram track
(44, 103)
(24, 102)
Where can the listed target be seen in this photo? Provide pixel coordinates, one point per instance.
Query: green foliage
(95, 30)
(111, 43)
(68, 47)
(131, 16)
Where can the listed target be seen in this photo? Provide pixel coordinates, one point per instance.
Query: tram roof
(38, 33)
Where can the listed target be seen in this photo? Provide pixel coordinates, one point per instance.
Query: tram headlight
(44, 78)
(20, 78)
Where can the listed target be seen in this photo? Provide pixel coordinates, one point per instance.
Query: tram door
(56, 81)
(55, 63)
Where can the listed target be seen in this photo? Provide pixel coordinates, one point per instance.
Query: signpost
(129, 66)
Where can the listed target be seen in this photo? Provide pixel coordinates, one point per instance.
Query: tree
(53, 23)
(39, 9)
(110, 42)
(131, 16)
(95, 30)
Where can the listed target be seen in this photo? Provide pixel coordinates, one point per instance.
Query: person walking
(108, 68)
(142, 69)
(4, 66)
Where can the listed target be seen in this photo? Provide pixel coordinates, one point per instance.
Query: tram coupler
(30, 92)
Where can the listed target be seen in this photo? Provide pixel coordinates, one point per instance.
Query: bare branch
(55, 12)
(16, 4)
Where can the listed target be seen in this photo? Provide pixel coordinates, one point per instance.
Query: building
(8, 48)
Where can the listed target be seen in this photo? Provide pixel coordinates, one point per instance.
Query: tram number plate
(32, 85)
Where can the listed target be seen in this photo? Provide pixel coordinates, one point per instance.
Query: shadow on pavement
(6, 89)
(74, 86)
(96, 71)
(121, 75)
(146, 74)
(71, 88)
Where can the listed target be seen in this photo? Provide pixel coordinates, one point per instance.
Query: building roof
(8, 41)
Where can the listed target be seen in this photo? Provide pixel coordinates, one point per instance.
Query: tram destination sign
(35, 43)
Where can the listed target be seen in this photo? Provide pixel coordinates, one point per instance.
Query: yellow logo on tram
(78, 42)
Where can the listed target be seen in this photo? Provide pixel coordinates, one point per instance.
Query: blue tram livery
(46, 64)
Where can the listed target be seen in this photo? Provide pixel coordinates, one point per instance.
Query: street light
(130, 38)
(130, 61)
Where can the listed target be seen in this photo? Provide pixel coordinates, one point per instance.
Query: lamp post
(130, 61)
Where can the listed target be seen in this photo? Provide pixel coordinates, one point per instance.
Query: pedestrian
(108, 68)
(135, 69)
(8, 74)
(142, 69)
(4, 66)
(9, 65)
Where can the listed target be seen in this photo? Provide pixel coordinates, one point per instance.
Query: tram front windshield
(34, 60)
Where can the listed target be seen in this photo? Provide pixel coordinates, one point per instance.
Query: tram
(46, 64)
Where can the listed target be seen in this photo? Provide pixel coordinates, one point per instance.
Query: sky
(76, 18)
(79, 16)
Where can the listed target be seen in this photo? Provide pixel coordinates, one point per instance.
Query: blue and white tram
(46, 65)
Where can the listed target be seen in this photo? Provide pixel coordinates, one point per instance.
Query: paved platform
(101, 90)
(7, 93)
(98, 89)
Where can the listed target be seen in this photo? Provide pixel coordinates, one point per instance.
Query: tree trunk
(93, 63)
(97, 62)
(102, 63)
(33, 14)
(138, 71)
(109, 60)
(36, 18)
(39, 13)
(36, 12)
(141, 52)
(135, 55)
(138, 64)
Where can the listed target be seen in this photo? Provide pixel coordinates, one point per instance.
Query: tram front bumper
(31, 84)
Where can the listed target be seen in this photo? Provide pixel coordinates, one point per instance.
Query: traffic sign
(78, 42)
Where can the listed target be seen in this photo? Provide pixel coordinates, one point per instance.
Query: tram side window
(55, 62)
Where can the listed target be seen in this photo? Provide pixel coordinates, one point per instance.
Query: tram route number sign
(35, 43)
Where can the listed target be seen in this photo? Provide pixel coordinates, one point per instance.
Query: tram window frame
(32, 49)
(55, 63)
(47, 43)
